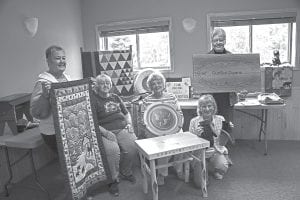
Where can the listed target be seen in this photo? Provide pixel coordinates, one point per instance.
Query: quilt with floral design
(78, 137)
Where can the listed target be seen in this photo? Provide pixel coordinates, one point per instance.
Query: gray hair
(103, 76)
(218, 31)
(154, 76)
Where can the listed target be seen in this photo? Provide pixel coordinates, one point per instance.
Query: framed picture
(279, 80)
(163, 119)
(79, 142)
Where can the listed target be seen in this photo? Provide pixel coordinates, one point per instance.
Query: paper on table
(249, 102)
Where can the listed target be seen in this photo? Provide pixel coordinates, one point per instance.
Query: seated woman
(208, 125)
(156, 83)
(117, 133)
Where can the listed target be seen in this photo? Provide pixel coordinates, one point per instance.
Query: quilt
(118, 65)
(79, 142)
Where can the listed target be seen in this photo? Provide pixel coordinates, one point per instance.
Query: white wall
(22, 57)
(283, 124)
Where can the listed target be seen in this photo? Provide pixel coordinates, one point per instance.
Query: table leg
(203, 174)
(265, 130)
(144, 175)
(27, 111)
(186, 171)
(13, 126)
(262, 121)
(8, 182)
(153, 180)
(2, 125)
(36, 175)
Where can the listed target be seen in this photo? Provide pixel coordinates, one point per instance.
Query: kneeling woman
(208, 125)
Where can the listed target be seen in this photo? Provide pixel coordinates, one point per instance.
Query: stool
(28, 140)
(164, 146)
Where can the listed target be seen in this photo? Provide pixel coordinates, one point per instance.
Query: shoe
(160, 179)
(218, 176)
(113, 188)
(129, 178)
(230, 163)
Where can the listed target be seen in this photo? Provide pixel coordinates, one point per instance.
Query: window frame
(263, 15)
(136, 24)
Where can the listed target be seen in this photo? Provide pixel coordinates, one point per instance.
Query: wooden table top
(16, 99)
(158, 147)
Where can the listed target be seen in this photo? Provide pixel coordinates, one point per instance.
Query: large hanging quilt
(79, 142)
(117, 64)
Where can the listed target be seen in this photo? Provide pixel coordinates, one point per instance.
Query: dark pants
(50, 141)
(224, 108)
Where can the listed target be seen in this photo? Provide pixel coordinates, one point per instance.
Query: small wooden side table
(164, 146)
(12, 108)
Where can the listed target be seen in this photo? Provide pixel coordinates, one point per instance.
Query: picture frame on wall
(278, 79)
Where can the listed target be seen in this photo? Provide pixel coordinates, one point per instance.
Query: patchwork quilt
(117, 65)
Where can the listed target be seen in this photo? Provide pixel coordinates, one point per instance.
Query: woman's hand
(199, 130)
(129, 127)
(46, 86)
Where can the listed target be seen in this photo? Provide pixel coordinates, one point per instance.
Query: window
(259, 32)
(149, 40)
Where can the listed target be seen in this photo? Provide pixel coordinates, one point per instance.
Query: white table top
(188, 103)
(168, 145)
(255, 104)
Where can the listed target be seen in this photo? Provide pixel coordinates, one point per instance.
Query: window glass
(267, 38)
(122, 43)
(237, 39)
(259, 32)
(149, 39)
(154, 50)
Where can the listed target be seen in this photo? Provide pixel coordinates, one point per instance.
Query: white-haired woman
(117, 133)
(157, 84)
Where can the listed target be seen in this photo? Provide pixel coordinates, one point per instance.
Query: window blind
(253, 19)
(134, 27)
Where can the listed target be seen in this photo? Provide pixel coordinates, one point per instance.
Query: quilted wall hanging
(79, 142)
(117, 64)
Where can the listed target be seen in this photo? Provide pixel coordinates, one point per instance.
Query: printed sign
(215, 73)
(179, 89)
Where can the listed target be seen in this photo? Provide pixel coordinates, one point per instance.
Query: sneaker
(129, 178)
(113, 188)
(218, 176)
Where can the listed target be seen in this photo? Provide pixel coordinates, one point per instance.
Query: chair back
(225, 137)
